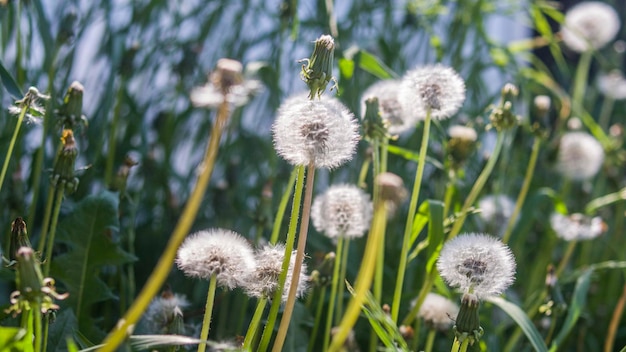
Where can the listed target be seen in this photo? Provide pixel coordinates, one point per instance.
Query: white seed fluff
(321, 131)
(496, 210)
(220, 252)
(576, 227)
(436, 87)
(343, 210)
(162, 311)
(463, 133)
(580, 156)
(389, 106)
(590, 25)
(477, 264)
(613, 85)
(438, 312)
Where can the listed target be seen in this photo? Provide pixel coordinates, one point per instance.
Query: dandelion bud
(590, 25)
(29, 278)
(461, 144)
(389, 107)
(577, 227)
(19, 238)
(63, 172)
(374, 128)
(119, 182)
(580, 156)
(343, 210)
(70, 114)
(467, 325)
(317, 71)
(438, 312)
(391, 189)
(503, 117)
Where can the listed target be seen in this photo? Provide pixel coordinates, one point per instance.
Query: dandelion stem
(297, 267)
(36, 308)
(333, 291)
(283, 206)
(291, 236)
(16, 131)
(568, 254)
(108, 171)
(530, 170)
(58, 199)
(430, 340)
(318, 318)
(162, 269)
(208, 312)
(605, 200)
(46, 219)
(397, 294)
(342, 279)
(614, 324)
(428, 282)
(46, 324)
(254, 324)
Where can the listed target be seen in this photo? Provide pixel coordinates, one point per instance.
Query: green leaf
(413, 155)
(435, 232)
(522, 320)
(346, 68)
(372, 64)
(15, 340)
(88, 233)
(61, 329)
(579, 300)
(9, 82)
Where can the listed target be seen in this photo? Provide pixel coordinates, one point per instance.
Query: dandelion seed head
(226, 84)
(162, 311)
(343, 210)
(438, 312)
(390, 108)
(577, 227)
(436, 87)
(613, 85)
(217, 251)
(496, 210)
(264, 281)
(590, 25)
(320, 131)
(580, 156)
(477, 264)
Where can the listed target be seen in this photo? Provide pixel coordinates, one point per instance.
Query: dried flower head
(613, 84)
(590, 25)
(390, 108)
(219, 252)
(438, 312)
(577, 227)
(264, 281)
(322, 132)
(164, 314)
(226, 84)
(496, 210)
(477, 264)
(580, 156)
(436, 88)
(30, 103)
(343, 210)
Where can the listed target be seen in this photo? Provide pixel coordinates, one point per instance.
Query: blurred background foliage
(138, 61)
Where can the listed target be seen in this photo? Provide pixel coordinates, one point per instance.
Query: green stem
(428, 282)
(530, 170)
(605, 112)
(208, 312)
(605, 200)
(478, 186)
(46, 324)
(342, 279)
(162, 269)
(36, 307)
(53, 228)
(297, 267)
(333, 291)
(430, 340)
(16, 131)
(456, 345)
(110, 161)
(46, 220)
(408, 228)
(318, 319)
(568, 254)
(291, 236)
(283, 206)
(254, 324)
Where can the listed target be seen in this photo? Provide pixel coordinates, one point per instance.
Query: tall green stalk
(254, 324)
(58, 199)
(16, 132)
(208, 312)
(333, 291)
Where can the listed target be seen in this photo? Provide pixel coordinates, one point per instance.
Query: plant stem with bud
(16, 132)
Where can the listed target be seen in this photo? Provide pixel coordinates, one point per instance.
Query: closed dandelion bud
(389, 107)
(217, 252)
(438, 312)
(590, 25)
(63, 172)
(502, 117)
(467, 324)
(322, 132)
(374, 128)
(580, 156)
(164, 314)
(437, 88)
(392, 189)
(343, 210)
(462, 143)
(19, 238)
(577, 227)
(121, 177)
(317, 71)
(71, 112)
(29, 278)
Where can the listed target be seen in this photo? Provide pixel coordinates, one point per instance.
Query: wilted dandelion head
(590, 25)
(30, 103)
(343, 210)
(438, 312)
(163, 312)
(477, 264)
(613, 84)
(389, 106)
(316, 131)
(226, 84)
(437, 87)
(580, 156)
(220, 252)
(577, 227)
(496, 210)
(264, 281)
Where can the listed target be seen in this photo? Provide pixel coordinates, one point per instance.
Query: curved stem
(297, 267)
(162, 269)
(283, 206)
(254, 324)
(614, 324)
(333, 291)
(397, 294)
(208, 312)
(530, 170)
(58, 199)
(605, 200)
(16, 131)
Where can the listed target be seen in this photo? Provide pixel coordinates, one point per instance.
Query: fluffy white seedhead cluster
(343, 210)
(590, 25)
(580, 156)
(438, 312)
(162, 311)
(477, 264)
(496, 210)
(463, 133)
(613, 85)
(321, 131)
(220, 252)
(436, 87)
(577, 227)
(389, 106)
(264, 281)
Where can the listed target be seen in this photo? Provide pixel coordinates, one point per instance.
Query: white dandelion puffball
(264, 281)
(343, 210)
(576, 227)
(477, 264)
(463, 133)
(320, 131)
(436, 87)
(438, 312)
(496, 210)
(590, 25)
(389, 106)
(580, 156)
(613, 85)
(217, 251)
